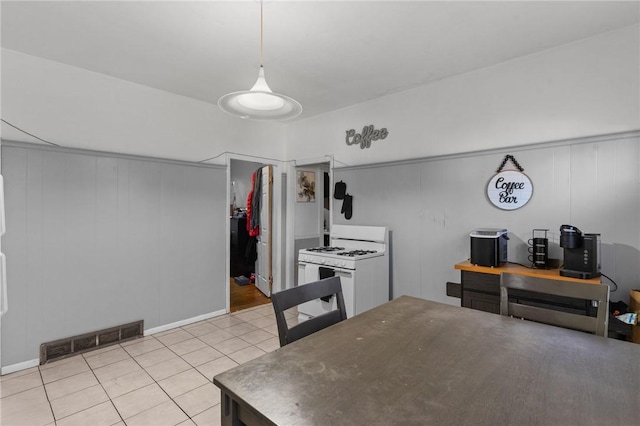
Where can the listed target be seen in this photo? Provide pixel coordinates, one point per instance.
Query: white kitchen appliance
(359, 256)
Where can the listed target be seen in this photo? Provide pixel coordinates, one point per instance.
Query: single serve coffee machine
(581, 253)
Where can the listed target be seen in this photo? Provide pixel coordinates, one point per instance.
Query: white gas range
(359, 256)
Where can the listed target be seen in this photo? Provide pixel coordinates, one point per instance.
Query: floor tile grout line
(23, 390)
(99, 382)
(266, 314)
(190, 365)
(181, 357)
(115, 378)
(158, 384)
(88, 408)
(106, 393)
(95, 405)
(44, 388)
(163, 390)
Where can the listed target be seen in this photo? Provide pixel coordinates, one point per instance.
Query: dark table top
(413, 361)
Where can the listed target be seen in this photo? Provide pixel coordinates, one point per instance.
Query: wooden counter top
(512, 268)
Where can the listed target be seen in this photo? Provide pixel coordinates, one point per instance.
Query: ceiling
(327, 55)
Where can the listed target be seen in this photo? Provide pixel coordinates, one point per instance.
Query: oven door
(309, 272)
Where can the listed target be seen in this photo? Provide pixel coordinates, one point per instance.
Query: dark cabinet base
(482, 292)
(481, 301)
(480, 289)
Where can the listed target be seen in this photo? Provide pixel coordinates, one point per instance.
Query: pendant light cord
(261, 36)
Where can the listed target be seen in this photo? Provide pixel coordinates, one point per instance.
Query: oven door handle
(337, 273)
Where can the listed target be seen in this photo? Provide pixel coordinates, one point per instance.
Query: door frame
(289, 252)
(277, 240)
(266, 222)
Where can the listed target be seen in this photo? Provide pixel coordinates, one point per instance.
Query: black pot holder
(340, 193)
(339, 190)
(347, 206)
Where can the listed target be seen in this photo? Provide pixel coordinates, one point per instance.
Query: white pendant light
(260, 102)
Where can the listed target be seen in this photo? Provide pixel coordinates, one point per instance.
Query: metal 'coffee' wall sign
(509, 189)
(369, 133)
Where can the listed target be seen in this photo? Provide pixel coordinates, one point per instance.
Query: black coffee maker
(581, 253)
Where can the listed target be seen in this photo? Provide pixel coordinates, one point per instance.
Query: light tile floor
(163, 379)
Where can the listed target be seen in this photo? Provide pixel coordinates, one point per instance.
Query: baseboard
(184, 322)
(19, 366)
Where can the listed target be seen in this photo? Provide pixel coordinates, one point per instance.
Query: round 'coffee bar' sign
(509, 190)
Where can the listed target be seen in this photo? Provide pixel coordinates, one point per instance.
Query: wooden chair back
(295, 296)
(588, 292)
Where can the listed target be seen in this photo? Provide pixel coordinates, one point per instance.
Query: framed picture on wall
(306, 192)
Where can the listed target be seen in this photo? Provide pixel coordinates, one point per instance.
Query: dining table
(417, 362)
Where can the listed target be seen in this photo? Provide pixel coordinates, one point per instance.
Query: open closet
(250, 248)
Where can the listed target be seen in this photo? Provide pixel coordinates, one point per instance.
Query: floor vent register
(63, 348)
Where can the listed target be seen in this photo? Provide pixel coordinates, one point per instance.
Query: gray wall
(431, 205)
(99, 240)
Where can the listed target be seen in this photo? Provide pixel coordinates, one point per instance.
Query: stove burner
(354, 253)
(324, 249)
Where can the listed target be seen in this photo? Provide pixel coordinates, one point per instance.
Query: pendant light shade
(260, 102)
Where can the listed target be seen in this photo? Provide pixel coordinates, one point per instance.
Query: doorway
(243, 292)
(312, 220)
(245, 296)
